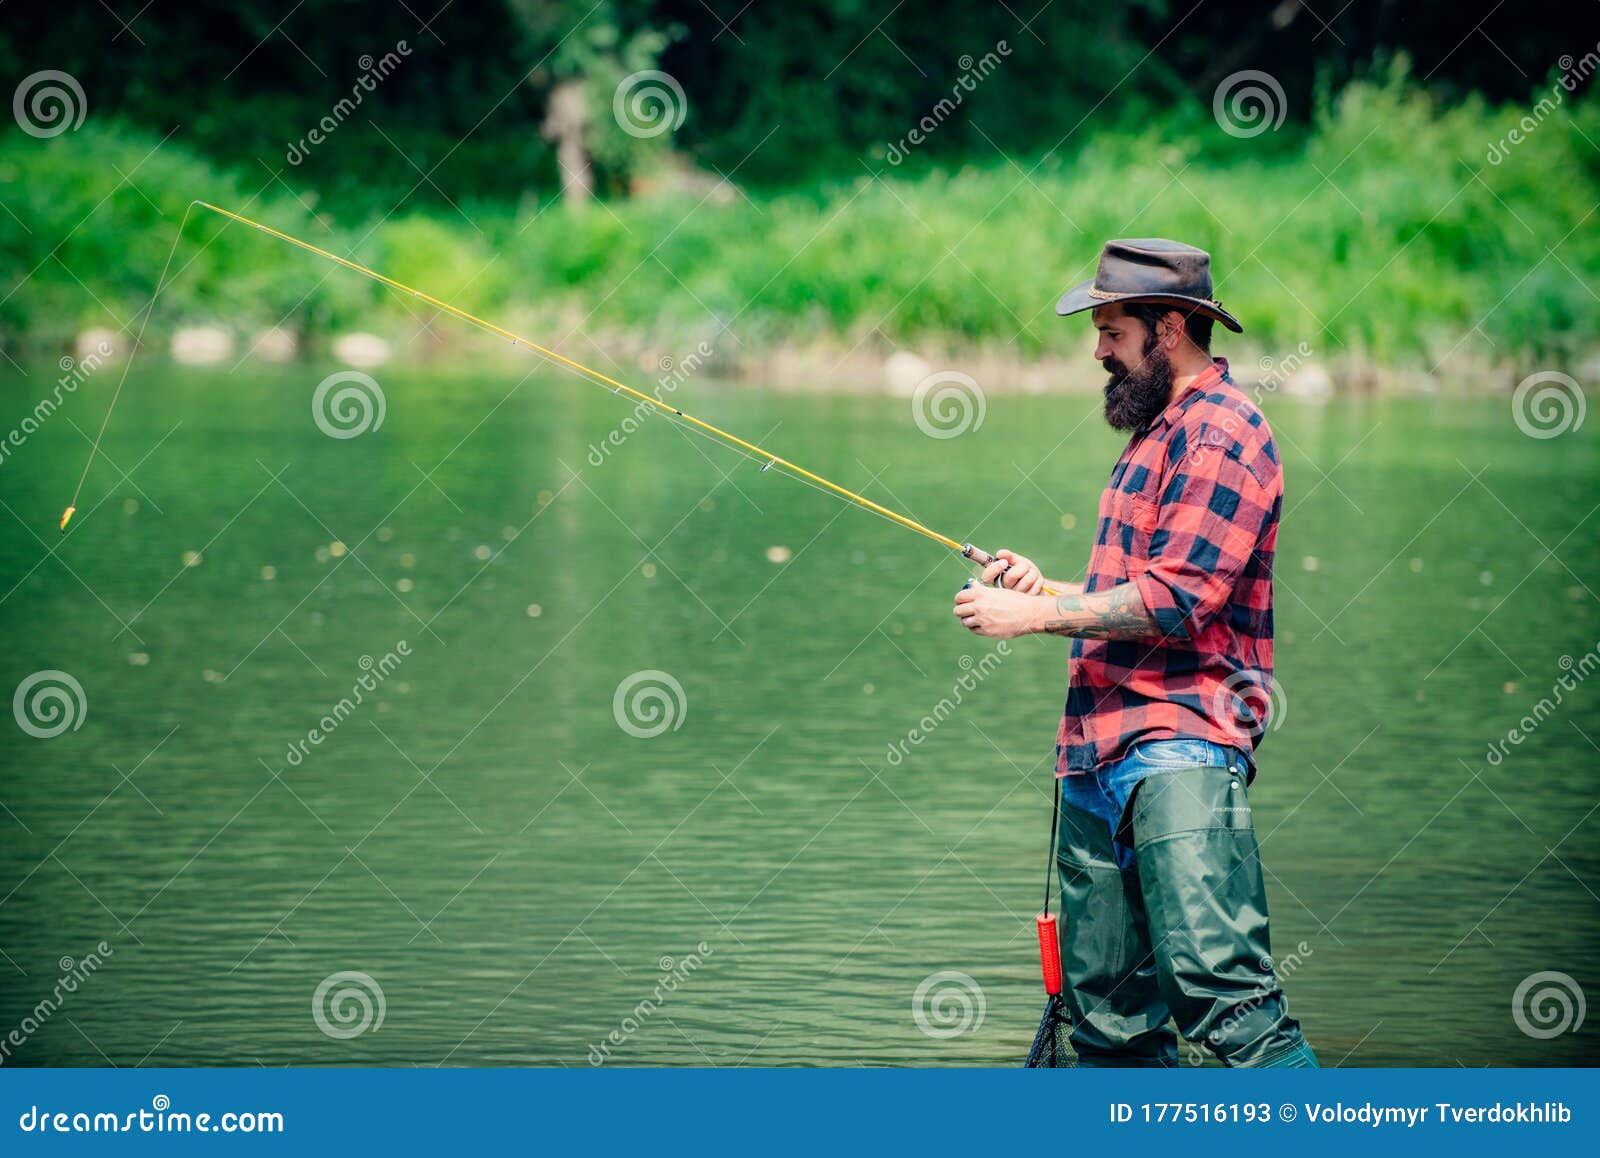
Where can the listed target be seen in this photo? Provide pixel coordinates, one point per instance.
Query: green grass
(1382, 232)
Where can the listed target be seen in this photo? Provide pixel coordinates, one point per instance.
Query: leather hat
(1150, 269)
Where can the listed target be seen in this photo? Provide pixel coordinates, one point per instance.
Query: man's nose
(1102, 349)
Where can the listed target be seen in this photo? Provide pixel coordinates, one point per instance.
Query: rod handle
(982, 558)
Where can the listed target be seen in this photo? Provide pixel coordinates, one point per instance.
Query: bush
(1384, 231)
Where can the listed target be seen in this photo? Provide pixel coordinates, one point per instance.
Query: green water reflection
(513, 868)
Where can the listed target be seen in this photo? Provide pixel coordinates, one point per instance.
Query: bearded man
(1171, 668)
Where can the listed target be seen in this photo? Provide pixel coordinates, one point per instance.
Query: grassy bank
(1385, 234)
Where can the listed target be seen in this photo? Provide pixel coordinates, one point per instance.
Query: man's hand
(1015, 572)
(997, 613)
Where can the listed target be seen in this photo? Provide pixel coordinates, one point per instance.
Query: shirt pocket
(1135, 518)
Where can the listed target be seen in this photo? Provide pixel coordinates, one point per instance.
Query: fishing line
(94, 447)
(802, 481)
(1052, 1043)
(748, 449)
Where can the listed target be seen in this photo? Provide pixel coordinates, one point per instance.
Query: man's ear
(1173, 321)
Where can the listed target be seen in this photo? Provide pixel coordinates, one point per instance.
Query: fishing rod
(750, 449)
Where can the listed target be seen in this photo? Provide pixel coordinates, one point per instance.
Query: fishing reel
(982, 558)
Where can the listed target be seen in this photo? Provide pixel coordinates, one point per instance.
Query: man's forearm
(1119, 613)
(1062, 587)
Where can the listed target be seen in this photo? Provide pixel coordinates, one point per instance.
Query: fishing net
(1052, 1047)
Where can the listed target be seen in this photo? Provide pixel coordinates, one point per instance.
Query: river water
(633, 779)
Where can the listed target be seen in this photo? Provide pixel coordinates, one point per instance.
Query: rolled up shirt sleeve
(1211, 517)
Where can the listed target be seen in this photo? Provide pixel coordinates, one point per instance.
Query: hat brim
(1078, 298)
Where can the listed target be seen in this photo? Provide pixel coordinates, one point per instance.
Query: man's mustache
(1118, 372)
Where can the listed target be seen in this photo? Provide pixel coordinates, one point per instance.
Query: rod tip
(66, 517)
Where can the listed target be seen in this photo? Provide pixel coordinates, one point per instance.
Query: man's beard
(1136, 395)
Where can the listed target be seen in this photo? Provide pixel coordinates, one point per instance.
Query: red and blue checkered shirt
(1191, 517)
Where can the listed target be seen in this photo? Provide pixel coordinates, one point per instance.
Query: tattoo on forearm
(1119, 613)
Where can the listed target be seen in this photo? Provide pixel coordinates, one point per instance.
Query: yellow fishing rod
(967, 550)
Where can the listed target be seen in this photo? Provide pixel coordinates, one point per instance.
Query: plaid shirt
(1191, 517)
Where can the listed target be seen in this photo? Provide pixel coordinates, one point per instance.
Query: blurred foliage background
(1374, 220)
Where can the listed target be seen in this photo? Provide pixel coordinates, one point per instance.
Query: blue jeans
(1105, 792)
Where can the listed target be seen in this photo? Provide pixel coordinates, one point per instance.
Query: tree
(600, 58)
